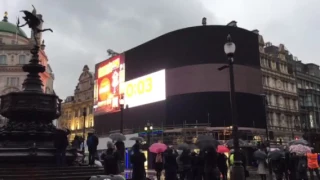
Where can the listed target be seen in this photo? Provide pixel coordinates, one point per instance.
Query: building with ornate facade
(15, 48)
(308, 84)
(73, 106)
(280, 90)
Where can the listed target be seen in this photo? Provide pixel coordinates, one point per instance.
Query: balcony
(279, 91)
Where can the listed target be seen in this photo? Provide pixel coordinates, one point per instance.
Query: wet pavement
(152, 175)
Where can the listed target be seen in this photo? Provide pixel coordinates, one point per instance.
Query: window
(12, 81)
(22, 59)
(92, 122)
(3, 59)
(90, 110)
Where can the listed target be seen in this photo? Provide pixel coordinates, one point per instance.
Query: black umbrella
(206, 142)
(183, 146)
(276, 155)
(260, 155)
(229, 143)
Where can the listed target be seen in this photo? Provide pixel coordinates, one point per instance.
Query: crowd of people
(290, 166)
(185, 164)
(176, 164)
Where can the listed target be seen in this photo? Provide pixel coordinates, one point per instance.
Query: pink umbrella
(222, 149)
(157, 148)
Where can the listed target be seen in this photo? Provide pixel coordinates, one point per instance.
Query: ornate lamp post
(148, 129)
(121, 102)
(237, 171)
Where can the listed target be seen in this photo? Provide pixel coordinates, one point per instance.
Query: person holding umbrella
(261, 156)
(170, 164)
(222, 160)
(137, 160)
(158, 165)
(277, 160)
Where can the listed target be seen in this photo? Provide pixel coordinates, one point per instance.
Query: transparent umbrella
(117, 137)
(140, 139)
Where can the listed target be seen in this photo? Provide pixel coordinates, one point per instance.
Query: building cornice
(278, 74)
(16, 47)
(5, 68)
(308, 77)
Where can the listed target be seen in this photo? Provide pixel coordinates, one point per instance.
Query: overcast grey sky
(84, 29)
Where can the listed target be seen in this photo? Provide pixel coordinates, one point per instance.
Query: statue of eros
(33, 22)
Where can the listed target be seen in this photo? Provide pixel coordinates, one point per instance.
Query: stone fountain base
(21, 148)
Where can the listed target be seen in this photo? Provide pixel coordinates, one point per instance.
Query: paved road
(152, 175)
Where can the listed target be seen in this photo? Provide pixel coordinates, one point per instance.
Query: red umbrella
(157, 148)
(222, 149)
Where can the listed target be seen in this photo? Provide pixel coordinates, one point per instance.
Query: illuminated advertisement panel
(109, 85)
(146, 89)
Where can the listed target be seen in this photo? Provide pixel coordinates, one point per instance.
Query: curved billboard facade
(174, 79)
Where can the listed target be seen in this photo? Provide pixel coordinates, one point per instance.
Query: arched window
(22, 59)
(3, 59)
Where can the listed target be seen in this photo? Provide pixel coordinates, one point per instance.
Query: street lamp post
(148, 129)
(121, 113)
(84, 114)
(237, 171)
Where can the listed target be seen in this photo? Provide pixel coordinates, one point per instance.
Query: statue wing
(34, 19)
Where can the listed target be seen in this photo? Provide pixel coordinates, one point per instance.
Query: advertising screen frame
(146, 89)
(109, 85)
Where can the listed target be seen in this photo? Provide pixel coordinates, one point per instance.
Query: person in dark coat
(211, 171)
(158, 165)
(184, 165)
(110, 160)
(137, 160)
(194, 165)
(92, 143)
(222, 165)
(292, 162)
(76, 143)
(170, 164)
(61, 143)
(200, 169)
(120, 148)
(278, 167)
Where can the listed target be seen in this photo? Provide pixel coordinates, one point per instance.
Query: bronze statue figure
(33, 22)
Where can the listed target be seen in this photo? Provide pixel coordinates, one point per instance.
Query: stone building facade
(308, 84)
(280, 91)
(73, 106)
(15, 48)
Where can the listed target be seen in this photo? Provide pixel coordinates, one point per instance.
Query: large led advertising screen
(146, 89)
(109, 85)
